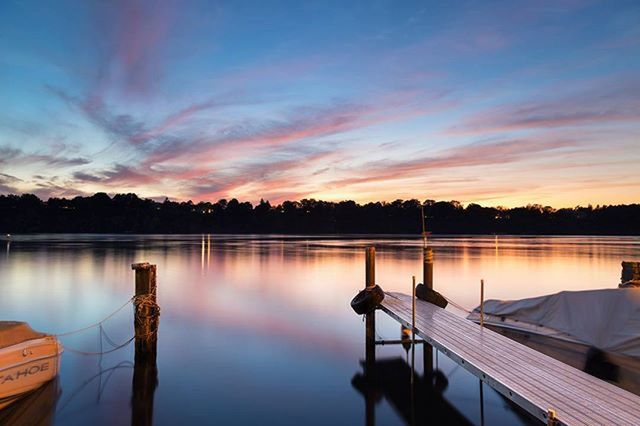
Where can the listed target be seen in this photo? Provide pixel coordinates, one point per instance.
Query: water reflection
(244, 318)
(417, 399)
(35, 409)
(143, 388)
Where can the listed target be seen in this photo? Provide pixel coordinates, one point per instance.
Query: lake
(258, 329)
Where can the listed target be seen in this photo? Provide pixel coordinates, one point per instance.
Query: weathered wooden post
(147, 311)
(146, 320)
(427, 267)
(630, 276)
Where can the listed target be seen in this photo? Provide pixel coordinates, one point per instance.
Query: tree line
(127, 213)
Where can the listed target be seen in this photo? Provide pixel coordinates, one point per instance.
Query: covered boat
(597, 331)
(607, 319)
(28, 359)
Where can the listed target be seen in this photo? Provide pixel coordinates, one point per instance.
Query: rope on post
(147, 312)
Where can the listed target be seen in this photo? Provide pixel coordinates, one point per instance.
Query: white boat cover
(14, 332)
(608, 319)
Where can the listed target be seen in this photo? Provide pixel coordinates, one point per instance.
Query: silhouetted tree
(127, 213)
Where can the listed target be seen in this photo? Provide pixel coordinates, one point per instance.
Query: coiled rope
(147, 314)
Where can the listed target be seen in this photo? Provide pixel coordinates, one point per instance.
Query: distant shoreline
(128, 214)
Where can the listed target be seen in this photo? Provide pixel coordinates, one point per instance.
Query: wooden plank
(569, 393)
(531, 379)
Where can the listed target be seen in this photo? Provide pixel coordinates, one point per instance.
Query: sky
(493, 102)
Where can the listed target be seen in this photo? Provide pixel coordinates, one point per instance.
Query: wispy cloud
(119, 174)
(614, 101)
(16, 156)
(7, 183)
(470, 155)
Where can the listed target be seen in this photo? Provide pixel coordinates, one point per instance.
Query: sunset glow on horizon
(497, 103)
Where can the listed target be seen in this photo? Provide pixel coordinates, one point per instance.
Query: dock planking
(529, 378)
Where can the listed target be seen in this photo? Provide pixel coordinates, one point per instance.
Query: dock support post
(146, 319)
(630, 274)
(370, 318)
(370, 337)
(427, 267)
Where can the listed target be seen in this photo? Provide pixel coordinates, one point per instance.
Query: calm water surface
(259, 329)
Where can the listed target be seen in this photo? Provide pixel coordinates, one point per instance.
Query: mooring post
(630, 274)
(146, 315)
(146, 318)
(427, 267)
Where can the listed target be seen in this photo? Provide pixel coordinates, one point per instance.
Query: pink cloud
(615, 101)
(134, 38)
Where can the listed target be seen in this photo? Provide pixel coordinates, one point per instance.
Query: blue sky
(501, 103)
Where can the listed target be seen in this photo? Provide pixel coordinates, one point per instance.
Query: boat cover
(14, 332)
(608, 319)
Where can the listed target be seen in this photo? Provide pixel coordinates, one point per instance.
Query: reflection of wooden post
(427, 279)
(145, 372)
(370, 281)
(427, 358)
(370, 337)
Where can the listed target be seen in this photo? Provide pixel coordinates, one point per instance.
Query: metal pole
(481, 303)
(413, 308)
(413, 347)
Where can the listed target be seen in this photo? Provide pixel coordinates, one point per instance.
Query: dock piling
(427, 267)
(147, 312)
(630, 276)
(370, 318)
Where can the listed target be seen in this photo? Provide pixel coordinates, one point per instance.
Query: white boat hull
(26, 366)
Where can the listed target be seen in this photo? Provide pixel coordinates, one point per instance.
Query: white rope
(98, 324)
(103, 334)
(79, 352)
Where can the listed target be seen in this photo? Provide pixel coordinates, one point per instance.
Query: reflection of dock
(532, 380)
(417, 399)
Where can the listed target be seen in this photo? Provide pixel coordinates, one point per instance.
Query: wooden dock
(534, 381)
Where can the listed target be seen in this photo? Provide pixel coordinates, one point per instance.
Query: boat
(597, 331)
(28, 360)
